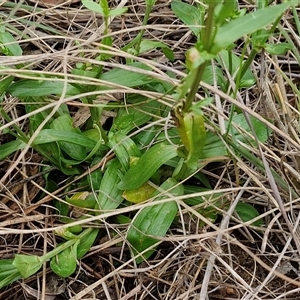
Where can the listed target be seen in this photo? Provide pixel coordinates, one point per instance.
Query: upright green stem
(207, 38)
(66, 245)
(145, 21)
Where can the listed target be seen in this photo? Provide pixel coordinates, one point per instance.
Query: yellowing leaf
(140, 194)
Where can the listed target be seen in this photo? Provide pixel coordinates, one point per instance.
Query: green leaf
(64, 264)
(5, 83)
(129, 78)
(129, 118)
(153, 221)
(124, 148)
(52, 135)
(8, 45)
(110, 196)
(278, 49)
(117, 11)
(86, 243)
(147, 165)
(27, 265)
(234, 64)
(142, 193)
(64, 123)
(237, 28)
(93, 6)
(262, 132)
(214, 146)
(8, 273)
(38, 88)
(147, 45)
(188, 14)
(10, 147)
(82, 200)
(247, 212)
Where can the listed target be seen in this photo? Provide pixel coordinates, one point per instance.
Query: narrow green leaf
(27, 265)
(223, 58)
(38, 88)
(129, 78)
(247, 24)
(117, 11)
(124, 148)
(278, 49)
(86, 243)
(52, 135)
(110, 196)
(10, 147)
(5, 83)
(147, 165)
(82, 200)
(153, 221)
(10, 278)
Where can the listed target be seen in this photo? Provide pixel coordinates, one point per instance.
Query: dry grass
(225, 260)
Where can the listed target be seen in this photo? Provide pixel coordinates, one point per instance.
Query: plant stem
(207, 38)
(65, 245)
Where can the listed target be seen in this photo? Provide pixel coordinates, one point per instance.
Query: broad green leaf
(27, 265)
(214, 147)
(86, 243)
(188, 14)
(262, 132)
(153, 221)
(110, 196)
(64, 123)
(142, 193)
(64, 264)
(249, 23)
(6, 265)
(247, 212)
(129, 78)
(147, 165)
(52, 135)
(8, 45)
(10, 147)
(38, 88)
(225, 9)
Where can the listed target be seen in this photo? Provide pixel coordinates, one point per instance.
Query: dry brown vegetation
(227, 259)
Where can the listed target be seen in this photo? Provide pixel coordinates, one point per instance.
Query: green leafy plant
(143, 164)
